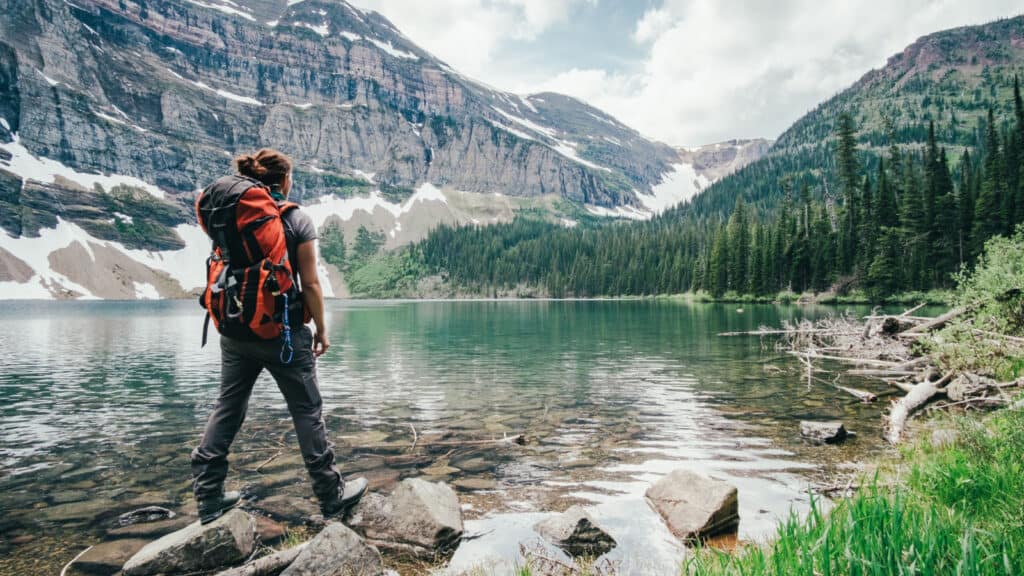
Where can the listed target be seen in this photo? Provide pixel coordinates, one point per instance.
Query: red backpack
(250, 285)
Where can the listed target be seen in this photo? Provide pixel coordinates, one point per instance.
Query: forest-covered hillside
(891, 185)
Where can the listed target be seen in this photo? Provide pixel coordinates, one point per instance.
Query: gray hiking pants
(241, 363)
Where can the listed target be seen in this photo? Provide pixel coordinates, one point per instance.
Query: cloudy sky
(687, 72)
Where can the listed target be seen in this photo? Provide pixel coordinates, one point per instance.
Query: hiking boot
(348, 496)
(212, 508)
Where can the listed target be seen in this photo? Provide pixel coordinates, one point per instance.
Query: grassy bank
(956, 509)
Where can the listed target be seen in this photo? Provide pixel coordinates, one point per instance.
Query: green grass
(957, 511)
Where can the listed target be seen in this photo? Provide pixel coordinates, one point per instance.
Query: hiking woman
(261, 328)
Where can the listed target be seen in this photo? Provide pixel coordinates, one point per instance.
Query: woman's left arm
(313, 294)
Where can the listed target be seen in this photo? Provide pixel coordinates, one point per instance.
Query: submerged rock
(418, 519)
(576, 532)
(106, 557)
(336, 551)
(147, 514)
(151, 529)
(695, 506)
(225, 541)
(831, 432)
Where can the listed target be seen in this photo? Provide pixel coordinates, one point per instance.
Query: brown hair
(267, 165)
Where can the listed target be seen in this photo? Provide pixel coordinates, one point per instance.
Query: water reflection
(100, 403)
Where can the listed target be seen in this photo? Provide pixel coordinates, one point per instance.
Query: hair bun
(249, 165)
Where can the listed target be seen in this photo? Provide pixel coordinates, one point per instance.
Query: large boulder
(695, 506)
(227, 540)
(831, 432)
(336, 551)
(418, 519)
(576, 532)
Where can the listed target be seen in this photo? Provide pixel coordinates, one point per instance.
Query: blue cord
(287, 346)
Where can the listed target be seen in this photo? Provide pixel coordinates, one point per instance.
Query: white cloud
(467, 33)
(719, 69)
(709, 70)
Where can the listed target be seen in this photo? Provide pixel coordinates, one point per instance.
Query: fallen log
(847, 359)
(907, 313)
(935, 323)
(862, 395)
(818, 331)
(902, 409)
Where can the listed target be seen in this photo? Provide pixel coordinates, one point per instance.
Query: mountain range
(114, 112)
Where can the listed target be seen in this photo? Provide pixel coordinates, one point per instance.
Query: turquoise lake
(101, 402)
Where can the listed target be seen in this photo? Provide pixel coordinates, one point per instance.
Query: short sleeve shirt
(298, 229)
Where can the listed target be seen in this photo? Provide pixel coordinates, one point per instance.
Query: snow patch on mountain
(145, 291)
(345, 208)
(390, 49)
(530, 125)
(36, 253)
(628, 212)
(323, 29)
(227, 95)
(45, 170)
(679, 185)
(568, 149)
(226, 7)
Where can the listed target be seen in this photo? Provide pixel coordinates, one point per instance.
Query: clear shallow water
(100, 403)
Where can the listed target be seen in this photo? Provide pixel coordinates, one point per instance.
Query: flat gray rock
(227, 540)
(151, 529)
(831, 432)
(695, 506)
(576, 532)
(418, 519)
(106, 557)
(336, 551)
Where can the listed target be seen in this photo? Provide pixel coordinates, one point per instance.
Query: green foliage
(332, 245)
(387, 275)
(367, 244)
(995, 286)
(958, 513)
(992, 293)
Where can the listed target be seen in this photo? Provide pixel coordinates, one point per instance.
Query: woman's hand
(320, 343)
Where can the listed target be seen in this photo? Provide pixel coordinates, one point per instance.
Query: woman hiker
(247, 296)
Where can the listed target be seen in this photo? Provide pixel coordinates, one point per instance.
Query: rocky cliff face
(114, 112)
(162, 90)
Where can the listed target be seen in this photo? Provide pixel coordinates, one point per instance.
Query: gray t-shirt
(298, 229)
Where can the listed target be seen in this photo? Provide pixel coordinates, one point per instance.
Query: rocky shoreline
(417, 522)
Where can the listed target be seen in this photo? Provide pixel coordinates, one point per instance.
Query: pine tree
(718, 267)
(886, 211)
(865, 243)
(965, 204)
(739, 247)
(989, 219)
(847, 167)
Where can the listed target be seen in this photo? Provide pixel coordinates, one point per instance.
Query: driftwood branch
(936, 323)
(862, 395)
(902, 409)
